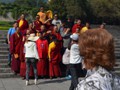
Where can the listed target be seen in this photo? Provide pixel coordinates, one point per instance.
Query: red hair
(97, 48)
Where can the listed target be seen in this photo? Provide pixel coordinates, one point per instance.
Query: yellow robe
(51, 46)
(83, 29)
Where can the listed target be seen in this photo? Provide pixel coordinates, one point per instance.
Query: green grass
(4, 28)
(4, 25)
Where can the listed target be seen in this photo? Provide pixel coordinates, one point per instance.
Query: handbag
(66, 57)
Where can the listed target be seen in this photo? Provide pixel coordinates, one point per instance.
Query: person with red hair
(97, 50)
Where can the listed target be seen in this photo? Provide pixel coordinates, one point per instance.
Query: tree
(79, 9)
(58, 6)
(106, 10)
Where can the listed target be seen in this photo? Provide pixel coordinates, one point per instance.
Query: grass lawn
(4, 28)
(4, 25)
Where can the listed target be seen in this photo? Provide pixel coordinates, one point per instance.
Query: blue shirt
(11, 31)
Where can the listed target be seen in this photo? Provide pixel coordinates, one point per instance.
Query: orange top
(42, 16)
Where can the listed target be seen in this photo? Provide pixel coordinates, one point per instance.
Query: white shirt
(56, 22)
(75, 57)
(31, 50)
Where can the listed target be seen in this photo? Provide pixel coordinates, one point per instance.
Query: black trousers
(75, 70)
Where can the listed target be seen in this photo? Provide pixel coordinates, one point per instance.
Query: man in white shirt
(56, 21)
(75, 61)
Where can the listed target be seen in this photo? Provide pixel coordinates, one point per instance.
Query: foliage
(96, 11)
(58, 6)
(4, 28)
(106, 9)
(5, 25)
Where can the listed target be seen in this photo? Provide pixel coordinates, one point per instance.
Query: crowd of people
(49, 46)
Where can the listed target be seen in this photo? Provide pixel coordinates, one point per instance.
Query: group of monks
(49, 44)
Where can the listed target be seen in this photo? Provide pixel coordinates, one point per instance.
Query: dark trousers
(68, 70)
(9, 58)
(74, 71)
(30, 61)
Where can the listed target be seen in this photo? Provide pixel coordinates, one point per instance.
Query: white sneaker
(27, 82)
(35, 81)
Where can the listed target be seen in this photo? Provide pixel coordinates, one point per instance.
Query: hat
(32, 37)
(74, 36)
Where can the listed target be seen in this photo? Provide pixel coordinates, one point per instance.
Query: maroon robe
(15, 44)
(23, 27)
(54, 68)
(22, 61)
(49, 27)
(37, 25)
(42, 65)
(59, 37)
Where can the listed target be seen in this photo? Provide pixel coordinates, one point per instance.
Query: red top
(42, 47)
(75, 27)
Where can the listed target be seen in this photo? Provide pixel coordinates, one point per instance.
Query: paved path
(43, 84)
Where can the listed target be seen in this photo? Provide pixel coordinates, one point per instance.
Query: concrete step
(117, 68)
(3, 35)
(2, 56)
(8, 75)
(3, 45)
(117, 62)
(3, 41)
(3, 38)
(117, 45)
(117, 49)
(117, 41)
(5, 70)
(116, 72)
(117, 52)
(4, 52)
(4, 65)
(4, 60)
(4, 48)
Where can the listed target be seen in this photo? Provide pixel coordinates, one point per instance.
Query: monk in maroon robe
(54, 55)
(77, 25)
(15, 44)
(42, 47)
(23, 24)
(59, 38)
(56, 33)
(31, 28)
(37, 24)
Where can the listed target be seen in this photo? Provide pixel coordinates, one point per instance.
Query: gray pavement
(42, 84)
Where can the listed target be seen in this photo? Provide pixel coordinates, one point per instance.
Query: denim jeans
(9, 58)
(29, 62)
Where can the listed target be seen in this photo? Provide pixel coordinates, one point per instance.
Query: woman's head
(97, 49)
